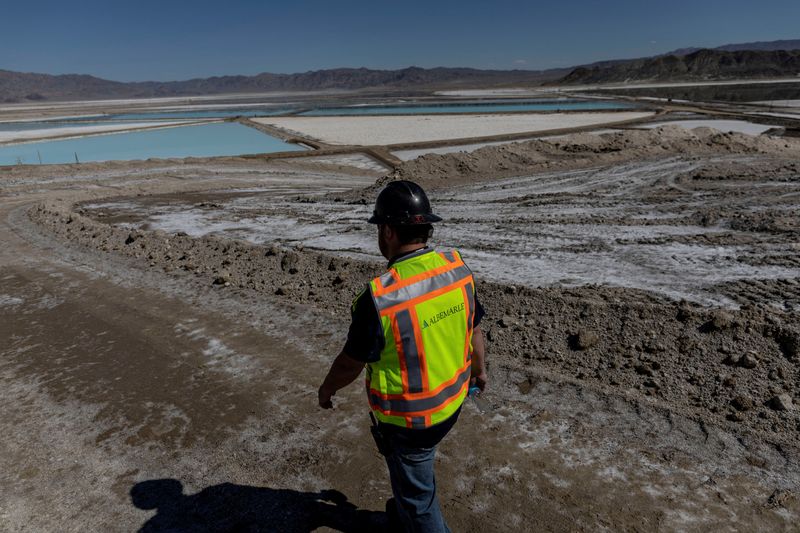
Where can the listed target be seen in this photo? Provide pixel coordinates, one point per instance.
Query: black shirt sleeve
(479, 312)
(365, 337)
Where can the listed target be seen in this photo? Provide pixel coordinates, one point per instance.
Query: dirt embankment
(581, 151)
(739, 368)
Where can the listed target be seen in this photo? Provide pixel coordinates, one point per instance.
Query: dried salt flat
(579, 251)
(795, 116)
(506, 235)
(77, 131)
(656, 99)
(386, 130)
(779, 103)
(407, 155)
(738, 126)
(359, 161)
(9, 301)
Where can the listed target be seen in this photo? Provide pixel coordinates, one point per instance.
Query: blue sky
(171, 40)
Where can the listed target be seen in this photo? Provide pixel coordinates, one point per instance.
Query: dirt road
(138, 398)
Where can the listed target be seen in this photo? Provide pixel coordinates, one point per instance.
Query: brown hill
(18, 86)
(765, 46)
(700, 65)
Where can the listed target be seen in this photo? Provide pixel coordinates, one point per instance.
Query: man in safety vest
(416, 328)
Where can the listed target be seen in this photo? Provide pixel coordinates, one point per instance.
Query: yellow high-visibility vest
(426, 304)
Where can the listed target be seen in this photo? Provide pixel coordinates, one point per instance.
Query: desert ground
(166, 323)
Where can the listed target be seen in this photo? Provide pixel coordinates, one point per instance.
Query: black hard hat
(403, 203)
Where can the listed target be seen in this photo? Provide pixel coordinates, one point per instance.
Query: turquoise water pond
(484, 107)
(63, 123)
(205, 140)
(498, 106)
(206, 113)
(26, 126)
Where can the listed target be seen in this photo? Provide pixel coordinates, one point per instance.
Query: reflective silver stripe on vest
(450, 256)
(387, 279)
(410, 351)
(400, 406)
(421, 288)
(418, 422)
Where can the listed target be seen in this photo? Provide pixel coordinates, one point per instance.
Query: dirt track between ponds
(596, 420)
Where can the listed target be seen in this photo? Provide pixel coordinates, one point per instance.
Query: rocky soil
(584, 150)
(184, 368)
(736, 368)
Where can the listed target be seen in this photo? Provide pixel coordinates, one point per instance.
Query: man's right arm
(342, 373)
(479, 378)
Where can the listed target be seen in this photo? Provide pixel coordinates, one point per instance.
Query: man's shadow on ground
(240, 508)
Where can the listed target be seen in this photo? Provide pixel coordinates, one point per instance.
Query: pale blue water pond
(207, 140)
(26, 126)
(145, 116)
(498, 106)
(64, 123)
(205, 113)
(483, 107)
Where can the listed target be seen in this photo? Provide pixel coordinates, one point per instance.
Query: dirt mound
(581, 150)
(784, 171)
(726, 367)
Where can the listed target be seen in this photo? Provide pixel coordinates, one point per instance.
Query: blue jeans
(414, 488)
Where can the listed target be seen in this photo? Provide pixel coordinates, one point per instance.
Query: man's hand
(480, 381)
(324, 395)
(343, 371)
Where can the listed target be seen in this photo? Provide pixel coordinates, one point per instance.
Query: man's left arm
(343, 372)
(478, 376)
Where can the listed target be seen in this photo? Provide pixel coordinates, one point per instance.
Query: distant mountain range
(19, 86)
(696, 66)
(764, 46)
(745, 60)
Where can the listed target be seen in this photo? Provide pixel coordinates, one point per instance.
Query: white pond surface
(387, 130)
(795, 116)
(780, 103)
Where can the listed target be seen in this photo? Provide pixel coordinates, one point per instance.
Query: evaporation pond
(49, 125)
(207, 140)
(483, 107)
(205, 113)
